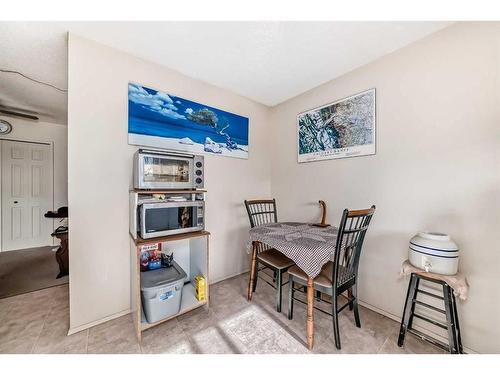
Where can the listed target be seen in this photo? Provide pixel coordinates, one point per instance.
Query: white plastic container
(434, 252)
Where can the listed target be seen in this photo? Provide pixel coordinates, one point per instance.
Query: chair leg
(279, 290)
(254, 286)
(335, 316)
(290, 298)
(318, 295)
(349, 295)
(407, 309)
(354, 293)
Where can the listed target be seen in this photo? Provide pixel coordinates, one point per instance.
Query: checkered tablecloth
(308, 246)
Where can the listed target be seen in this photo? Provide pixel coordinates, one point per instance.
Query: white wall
(436, 167)
(100, 175)
(24, 130)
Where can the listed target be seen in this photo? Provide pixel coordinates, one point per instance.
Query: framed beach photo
(342, 129)
(160, 120)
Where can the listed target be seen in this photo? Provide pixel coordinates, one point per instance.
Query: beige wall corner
(436, 167)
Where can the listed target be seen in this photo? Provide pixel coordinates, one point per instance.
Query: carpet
(23, 271)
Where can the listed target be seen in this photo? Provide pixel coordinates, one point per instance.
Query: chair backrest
(261, 212)
(352, 230)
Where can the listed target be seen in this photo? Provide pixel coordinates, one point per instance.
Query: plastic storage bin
(161, 292)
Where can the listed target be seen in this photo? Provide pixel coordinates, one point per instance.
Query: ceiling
(41, 53)
(268, 62)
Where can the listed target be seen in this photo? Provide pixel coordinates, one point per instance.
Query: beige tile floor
(38, 322)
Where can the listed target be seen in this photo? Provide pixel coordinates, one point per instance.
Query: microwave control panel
(201, 215)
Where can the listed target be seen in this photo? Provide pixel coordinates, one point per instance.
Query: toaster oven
(161, 170)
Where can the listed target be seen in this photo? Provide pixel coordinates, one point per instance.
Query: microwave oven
(162, 170)
(158, 219)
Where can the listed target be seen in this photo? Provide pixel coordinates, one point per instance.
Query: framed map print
(341, 129)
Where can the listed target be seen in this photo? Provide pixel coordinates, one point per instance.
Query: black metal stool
(450, 311)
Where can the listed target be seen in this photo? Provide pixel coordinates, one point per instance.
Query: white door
(27, 193)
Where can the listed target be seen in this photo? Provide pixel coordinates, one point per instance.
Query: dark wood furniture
(338, 276)
(452, 325)
(62, 253)
(61, 233)
(264, 212)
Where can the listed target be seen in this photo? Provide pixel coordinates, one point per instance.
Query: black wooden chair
(262, 212)
(338, 276)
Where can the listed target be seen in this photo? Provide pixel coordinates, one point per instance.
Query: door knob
(16, 202)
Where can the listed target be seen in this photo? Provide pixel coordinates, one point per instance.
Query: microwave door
(159, 172)
(163, 219)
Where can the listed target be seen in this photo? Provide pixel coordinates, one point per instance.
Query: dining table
(308, 245)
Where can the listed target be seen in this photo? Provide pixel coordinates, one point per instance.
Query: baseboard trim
(215, 281)
(83, 327)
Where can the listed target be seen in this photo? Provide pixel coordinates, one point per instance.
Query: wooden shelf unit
(174, 237)
(194, 261)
